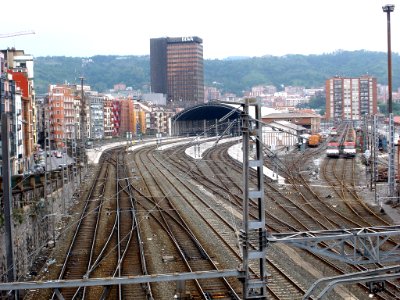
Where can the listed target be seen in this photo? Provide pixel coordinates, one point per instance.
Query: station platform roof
(208, 111)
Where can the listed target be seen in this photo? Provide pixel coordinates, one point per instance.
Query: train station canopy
(206, 119)
(210, 119)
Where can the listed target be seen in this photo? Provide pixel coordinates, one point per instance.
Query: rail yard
(152, 211)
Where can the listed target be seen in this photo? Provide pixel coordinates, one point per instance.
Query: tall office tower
(176, 66)
(350, 98)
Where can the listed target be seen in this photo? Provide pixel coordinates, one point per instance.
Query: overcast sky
(227, 27)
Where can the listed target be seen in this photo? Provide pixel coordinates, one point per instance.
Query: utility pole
(83, 127)
(374, 171)
(253, 234)
(7, 199)
(74, 157)
(47, 179)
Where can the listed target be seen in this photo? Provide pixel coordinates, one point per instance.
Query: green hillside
(230, 75)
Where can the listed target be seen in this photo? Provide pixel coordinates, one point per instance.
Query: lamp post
(388, 9)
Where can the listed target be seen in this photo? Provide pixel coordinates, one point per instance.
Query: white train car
(349, 149)
(332, 149)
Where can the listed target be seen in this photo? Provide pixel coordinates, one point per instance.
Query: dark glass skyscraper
(176, 66)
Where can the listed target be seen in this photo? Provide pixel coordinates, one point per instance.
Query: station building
(312, 122)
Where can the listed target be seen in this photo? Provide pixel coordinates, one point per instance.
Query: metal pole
(388, 9)
(398, 171)
(7, 199)
(391, 179)
(46, 198)
(365, 134)
(253, 232)
(83, 127)
(375, 152)
(63, 189)
(245, 150)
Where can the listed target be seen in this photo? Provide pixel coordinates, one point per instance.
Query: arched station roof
(207, 111)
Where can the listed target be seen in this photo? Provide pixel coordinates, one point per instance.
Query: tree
(316, 102)
(383, 108)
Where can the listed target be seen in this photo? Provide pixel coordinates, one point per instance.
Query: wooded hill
(229, 75)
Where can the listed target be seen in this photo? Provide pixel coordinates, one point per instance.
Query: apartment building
(160, 117)
(96, 112)
(108, 117)
(350, 98)
(18, 100)
(62, 115)
(211, 93)
(116, 109)
(132, 118)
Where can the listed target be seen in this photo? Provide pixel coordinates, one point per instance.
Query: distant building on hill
(154, 98)
(120, 87)
(350, 98)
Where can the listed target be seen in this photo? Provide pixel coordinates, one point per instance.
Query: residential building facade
(108, 118)
(211, 93)
(18, 100)
(96, 110)
(350, 98)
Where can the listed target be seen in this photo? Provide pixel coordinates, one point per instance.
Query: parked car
(27, 173)
(36, 169)
(62, 166)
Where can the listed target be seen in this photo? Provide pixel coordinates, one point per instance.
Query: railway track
(343, 183)
(106, 239)
(162, 212)
(322, 210)
(168, 213)
(204, 172)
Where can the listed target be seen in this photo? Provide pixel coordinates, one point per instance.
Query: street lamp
(388, 9)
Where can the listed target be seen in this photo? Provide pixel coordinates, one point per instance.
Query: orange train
(314, 140)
